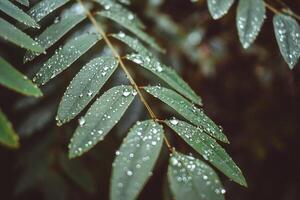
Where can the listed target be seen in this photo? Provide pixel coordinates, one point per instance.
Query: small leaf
(84, 87)
(287, 32)
(65, 56)
(14, 80)
(218, 8)
(250, 17)
(133, 43)
(192, 179)
(187, 110)
(109, 4)
(208, 148)
(128, 20)
(135, 160)
(102, 116)
(18, 14)
(24, 2)
(8, 137)
(11, 33)
(78, 173)
(165, 73)
(54, 32)
(44, 8)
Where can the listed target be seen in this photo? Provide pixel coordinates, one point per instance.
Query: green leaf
(44, 8)
(249, 20)
(128, 20)
(24, 2)
(102, 116)
(65, 56)
(54, 32)
(11, 33)
(287, 32)
(84, 87)
(218, 8)
(192, 179)
(18, 14)
(112, 4)
(8, 137)
(78, 173)
(208, 148)
(187, 110)
(133, 43)
(14, 80)
(135, 160)
(165, 73)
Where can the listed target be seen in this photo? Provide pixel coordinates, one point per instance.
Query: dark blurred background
(251, 93)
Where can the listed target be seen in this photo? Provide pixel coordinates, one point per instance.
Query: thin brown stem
(286, 11)
(271, 8)
(119, 58)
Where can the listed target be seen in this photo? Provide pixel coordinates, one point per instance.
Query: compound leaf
(14, 80)
(135, 160)
(102, 116)
(208, 148)
(192, 179)
(250, 17)
(84, 87)
(218, 8)
(187, 110)
(287, 32)
(65, 56)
